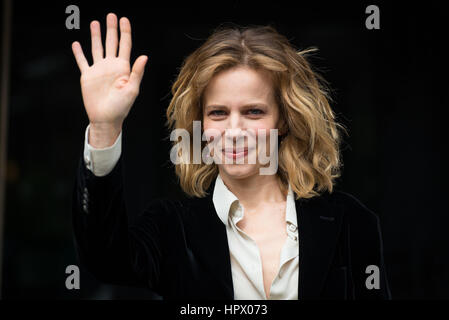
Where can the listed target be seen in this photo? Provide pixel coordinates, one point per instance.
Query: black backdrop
(389, 86)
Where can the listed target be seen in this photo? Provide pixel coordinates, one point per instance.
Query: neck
(255, 190)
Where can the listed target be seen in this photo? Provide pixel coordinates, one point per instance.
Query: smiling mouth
(236, 153)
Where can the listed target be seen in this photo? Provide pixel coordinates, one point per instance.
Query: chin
(239, 171)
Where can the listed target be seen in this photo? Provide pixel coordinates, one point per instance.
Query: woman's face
(235, 101)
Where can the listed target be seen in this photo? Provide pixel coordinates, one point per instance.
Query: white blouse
(246, 262)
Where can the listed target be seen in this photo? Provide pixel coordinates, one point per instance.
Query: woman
(244, 233)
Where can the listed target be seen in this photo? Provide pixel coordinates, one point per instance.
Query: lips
(235, 150)
(234, 153)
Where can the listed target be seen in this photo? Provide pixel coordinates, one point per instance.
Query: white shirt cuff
(101, 161)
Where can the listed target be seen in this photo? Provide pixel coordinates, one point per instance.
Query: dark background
(390, 91)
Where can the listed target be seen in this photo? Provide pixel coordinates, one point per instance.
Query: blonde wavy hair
(309, 151)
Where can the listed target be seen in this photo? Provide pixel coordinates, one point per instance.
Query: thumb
(137, 71)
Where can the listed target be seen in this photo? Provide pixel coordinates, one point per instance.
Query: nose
(234, 131)
(234, 121)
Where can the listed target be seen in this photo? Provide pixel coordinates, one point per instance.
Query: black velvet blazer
(179, 249)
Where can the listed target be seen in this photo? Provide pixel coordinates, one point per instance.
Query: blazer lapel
(211, 243)
(319, 225)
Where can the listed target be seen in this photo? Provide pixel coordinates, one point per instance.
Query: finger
(125, 39)
(111, 35)
(79, 56)
(137, 71)
(97, 46)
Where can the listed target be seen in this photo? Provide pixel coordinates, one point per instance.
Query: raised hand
(109, 87)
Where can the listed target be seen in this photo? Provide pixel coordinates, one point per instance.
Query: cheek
(261, 130)
(262, 125)
(214, 125)
(213, 130)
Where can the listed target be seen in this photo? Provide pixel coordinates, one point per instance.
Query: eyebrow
(256, 104)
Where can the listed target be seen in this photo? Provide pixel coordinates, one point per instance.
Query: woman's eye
(223, 113)
(255, 111)
(217, 113)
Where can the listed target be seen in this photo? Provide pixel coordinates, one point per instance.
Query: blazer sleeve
(107, 246)
(365, 249)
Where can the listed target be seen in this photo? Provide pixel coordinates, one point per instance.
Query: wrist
(103, 135)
